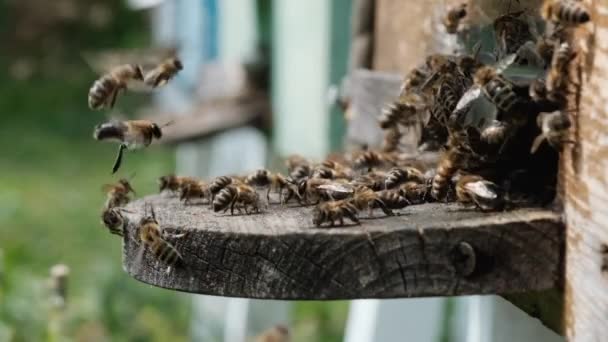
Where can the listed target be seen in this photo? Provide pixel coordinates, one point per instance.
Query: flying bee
(118, 194)
(366, 198)
(155, 238)
(399, 175)
(473, 189)
(265, 178)
(174, 183)
(414, 193)
(198, 189)
(113, 220)
(132, 135)
(233, 195)
(452, 18)
(278, 333)
(163, 72)
(565, 12)
(554, 128)
(333, 211)
(104, 91)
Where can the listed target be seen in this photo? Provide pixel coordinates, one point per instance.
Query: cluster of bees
(487, 114)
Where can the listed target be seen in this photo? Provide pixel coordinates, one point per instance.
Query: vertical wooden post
(584, 172)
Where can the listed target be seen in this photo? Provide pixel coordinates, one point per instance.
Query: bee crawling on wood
(192, 190)
(174, 183)
(453, 17)
(220, 183)
(104, 91)
(399, 175)
(554, 129)
(118, 194)
(153, 236)
(565, 12)
(265, 178)
(132, 135)
(415, 193)
(558, 77)
(239, 195)
(366, 198)
(485, 195)
(334, 211)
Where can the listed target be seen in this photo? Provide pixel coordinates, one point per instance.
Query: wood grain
(279, 254)
(585, 182)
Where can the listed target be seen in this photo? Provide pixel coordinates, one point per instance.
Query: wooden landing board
(279, 254)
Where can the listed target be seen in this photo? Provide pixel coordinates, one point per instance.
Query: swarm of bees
(487, 119)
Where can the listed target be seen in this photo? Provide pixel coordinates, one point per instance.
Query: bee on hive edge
(366, 198)
(163, 72)
(104, 91)
(112, 218)
(174, 183)
(220, 183)
(278, 333)
(155, 238)
(233, 195)
(554, 128)
(558, 76)
(132, 135)
(454, 15)
(485, 195)
(565, 12)
(415, 193)
(367, 160)
(450, 162)
(333, 211)
(399, 175)
(198, 189)
(118, 194)
(264, 178)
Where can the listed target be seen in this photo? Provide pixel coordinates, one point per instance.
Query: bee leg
(118, 160)
(115, 95)
(341, 221)
(384, 208)
(232, 207)
(268, 195)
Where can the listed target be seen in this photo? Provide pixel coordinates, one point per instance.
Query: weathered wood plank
(279, 254)
(585, 182)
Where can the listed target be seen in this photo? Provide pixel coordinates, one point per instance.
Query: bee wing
(474, 109)
(337, 187)
(103, 61)
(536, 143)
(481, 189)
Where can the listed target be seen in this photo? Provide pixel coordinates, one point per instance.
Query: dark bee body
(399, 112)
(164, 72)
(333, 211)
(452, 18)
(151, 234)
(496, 132)
(485, 195)
(544, 100)
(565, 12)
(104, 90)
(554, 128)
(372, 159)
(374, 180)
(233, 195)
(497, 89)
(392, 199)
(366, 198)
(511, 32)
(198, 189)
(451, 161)
(174, 183)
(132, 135)
(218, 184)
(399, 175)
(391, 140)
(113, 220)
(265, 178)
(415, 193)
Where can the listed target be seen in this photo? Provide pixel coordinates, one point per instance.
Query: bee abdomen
(166, 253)
(219, 183)
(100, 91)
(397, 176)
(446, 169)
(224, 198)
(109, 130)
(572, 13)
(393, 200)
(259, 178)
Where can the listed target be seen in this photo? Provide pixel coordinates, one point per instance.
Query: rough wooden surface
(585, 181)
(370, 92)
(279, 254)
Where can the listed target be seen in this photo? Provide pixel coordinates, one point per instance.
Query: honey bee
(451, 161)
(218, 184)
(265, 178)
(414, 193)
(335, 191)
(546, 101)
(565, 12)
(278, 333)
(198, 189)
(104, 91)
(233, 195)
(393, 199)
(366, 198)
(294, 161)
(496, 132)
(414, 79)
(301, 171)
(163, 72)
(132, 135)
(174, 183)
(485, 195)
(452, 18)
(392, 138)
(554, 128)
(113, 220)
(155, 238)
(399, 175)
(405, 111)
(333, 211)
(118, 194)
(558, 75)
(374, 180)
(307, 190)
(497, 89)
(511, 31)
(372, 159)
